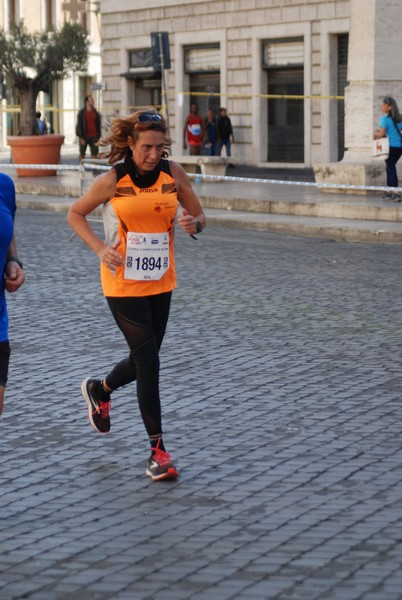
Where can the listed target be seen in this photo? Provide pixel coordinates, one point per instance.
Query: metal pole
(163, 81)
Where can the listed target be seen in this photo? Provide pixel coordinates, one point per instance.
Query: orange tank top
(135, 213)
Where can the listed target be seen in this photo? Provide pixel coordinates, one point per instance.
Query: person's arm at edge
(185, 133)
(14, 273)
(231, 131)
(381, 131)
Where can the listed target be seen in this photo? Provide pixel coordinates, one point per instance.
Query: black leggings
(390, 166)
(4, 360)
(142, 321)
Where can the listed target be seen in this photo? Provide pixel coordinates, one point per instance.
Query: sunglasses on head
(147, 117)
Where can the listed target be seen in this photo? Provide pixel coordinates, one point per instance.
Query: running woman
(140, 197)
(11, 268)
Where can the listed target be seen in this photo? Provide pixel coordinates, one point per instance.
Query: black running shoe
(98, 411)
(160, 465)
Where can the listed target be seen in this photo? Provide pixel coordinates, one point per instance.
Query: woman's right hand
(109, 256)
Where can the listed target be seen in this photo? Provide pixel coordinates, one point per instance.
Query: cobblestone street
(281, 389)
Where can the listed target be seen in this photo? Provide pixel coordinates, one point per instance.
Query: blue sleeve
(383, 122)
(7, 193)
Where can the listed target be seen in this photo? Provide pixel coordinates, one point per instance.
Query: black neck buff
(142, 181)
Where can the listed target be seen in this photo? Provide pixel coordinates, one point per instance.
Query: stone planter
(35, 150)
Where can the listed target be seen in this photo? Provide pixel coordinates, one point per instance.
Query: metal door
(286, 116)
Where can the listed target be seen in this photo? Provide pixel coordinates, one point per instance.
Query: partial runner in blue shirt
(12, 271)
(390, 126)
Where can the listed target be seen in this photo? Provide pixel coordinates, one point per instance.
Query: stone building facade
(278, 66)
(61, 103)
(301, 79)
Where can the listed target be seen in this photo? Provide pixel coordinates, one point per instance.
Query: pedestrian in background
(390, 126)
(210, 133)
(140, 197)
(47, 125)
(225, 133)
(88, 128)
(193, 131)
(12, 270)
(40, 123)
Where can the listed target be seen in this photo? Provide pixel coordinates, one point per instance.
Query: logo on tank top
(136, 239)
(125, 191)
(168, 188)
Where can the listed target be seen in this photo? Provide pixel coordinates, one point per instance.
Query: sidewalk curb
(52, 189)
(340, 233)
(354, 210)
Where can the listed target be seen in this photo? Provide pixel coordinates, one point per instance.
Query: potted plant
(32, 61)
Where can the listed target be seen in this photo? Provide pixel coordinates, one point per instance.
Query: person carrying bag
(389, 129)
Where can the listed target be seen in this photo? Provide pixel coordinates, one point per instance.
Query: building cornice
(109, 6)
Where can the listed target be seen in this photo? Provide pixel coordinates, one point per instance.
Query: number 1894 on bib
(147, 256)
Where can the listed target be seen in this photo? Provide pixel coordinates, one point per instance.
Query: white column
(374, 70)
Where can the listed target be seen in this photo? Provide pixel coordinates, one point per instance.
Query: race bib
(147, 256)
(195, 129)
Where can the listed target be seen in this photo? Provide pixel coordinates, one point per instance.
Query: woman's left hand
(187, 222)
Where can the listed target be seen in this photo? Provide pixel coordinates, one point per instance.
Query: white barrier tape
(38, 167)
(224, 178)
(56, 167)
(95, 167)
(337, 186)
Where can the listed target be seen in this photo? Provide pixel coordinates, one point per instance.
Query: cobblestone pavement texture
(281, 388)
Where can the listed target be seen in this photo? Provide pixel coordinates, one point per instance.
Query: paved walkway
(281, 390)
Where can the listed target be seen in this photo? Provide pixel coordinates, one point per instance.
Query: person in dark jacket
(210, 133)
(225, 132)
(88, 128)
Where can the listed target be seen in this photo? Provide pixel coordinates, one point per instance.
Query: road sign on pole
(160, 50)
(98, 86)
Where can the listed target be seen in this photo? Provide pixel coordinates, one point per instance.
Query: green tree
(33, 60)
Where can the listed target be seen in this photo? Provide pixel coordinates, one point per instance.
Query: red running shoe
(98, 411)
(160, 465)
